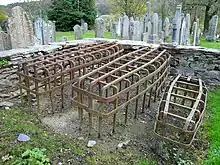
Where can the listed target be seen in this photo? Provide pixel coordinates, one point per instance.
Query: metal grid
(112, 87)
(51, 72)
(181, 110)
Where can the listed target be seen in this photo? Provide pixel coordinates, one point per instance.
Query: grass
(207, 44)
(213, 128)
(70, 35)
(59, 148)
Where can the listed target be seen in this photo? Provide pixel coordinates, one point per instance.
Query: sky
(6, 2)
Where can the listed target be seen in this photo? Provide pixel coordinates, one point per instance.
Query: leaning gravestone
(77, 32)
(20, 29)
(99, 28)
(125, 28)
(213, 29)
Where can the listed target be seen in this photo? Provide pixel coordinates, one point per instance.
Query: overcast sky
(5, 2)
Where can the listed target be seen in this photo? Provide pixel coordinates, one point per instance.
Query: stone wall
(202, 63)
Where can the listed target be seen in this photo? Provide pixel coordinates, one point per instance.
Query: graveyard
(129, 91)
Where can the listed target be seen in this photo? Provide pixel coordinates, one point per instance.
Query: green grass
(70, 35)
(207, 44)
(58, 147)
(213, 128)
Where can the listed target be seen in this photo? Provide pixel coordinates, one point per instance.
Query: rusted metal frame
(94, 96)
(197, 123)
(110, 63)
(63, 51)
(189, 118)
(85, 65)
(103, 49)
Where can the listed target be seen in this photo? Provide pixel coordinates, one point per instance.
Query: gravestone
(85, 28)
(135, 31)
(213, 29)
(183, 32)
(149, 31)
(198, 33)
(166, 29)
(125, 28)
(20, 29)
(44, 32)
(188, 25)
(5, 41)
(195, 27)
(155, 21)
(77, 32)
(99, 28)
(145, 37)
(177, 26)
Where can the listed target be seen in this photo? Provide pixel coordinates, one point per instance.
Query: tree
(132, 8)
(208, 7)
(68, 13)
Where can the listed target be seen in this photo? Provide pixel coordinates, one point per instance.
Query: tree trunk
(206, 20)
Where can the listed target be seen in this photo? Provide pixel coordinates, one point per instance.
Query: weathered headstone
(198, 34)
(166, 29)
(213, 28)
(155, 20)
(135, 31)
(149, 31)
(77, 32)
(195, 27)
(85, 28)
(5, 41)
(100, 27)
(177, 25)
(183, 32)
(125, 28)
(188, 26)
(20, 28)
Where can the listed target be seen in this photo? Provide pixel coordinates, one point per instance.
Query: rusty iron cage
(113, 86)
(48, 73)
(181, 110)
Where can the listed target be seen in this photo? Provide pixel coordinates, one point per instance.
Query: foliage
(213, 129)
(35, 156)
(4, 63)
(132, 8)
(68, 13)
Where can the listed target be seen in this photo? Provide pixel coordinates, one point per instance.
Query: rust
(181, 110)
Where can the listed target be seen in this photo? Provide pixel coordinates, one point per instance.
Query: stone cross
(100, 27)
(125, 28)
(188, 25)
(77, 32)
(213, 29)
(20, 29)
(166, 29)
(177, 25)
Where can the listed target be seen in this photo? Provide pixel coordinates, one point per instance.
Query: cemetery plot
(112, 87)
(181, 110)
(51, 73)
